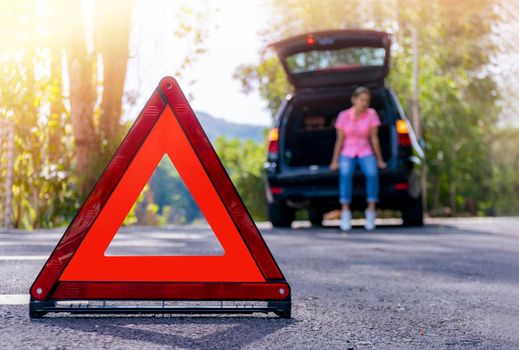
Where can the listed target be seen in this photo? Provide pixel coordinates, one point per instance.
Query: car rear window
(346, 58)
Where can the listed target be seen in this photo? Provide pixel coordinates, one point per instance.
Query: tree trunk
(82, 94)
(453, 197)
(112, 33)
(436, 192)
(57, 109)
(55, 121)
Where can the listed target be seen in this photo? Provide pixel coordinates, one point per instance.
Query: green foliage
(505, 170)
(164, 200)
(42, 194)
(174, 202)
(459, 98)
(244, 161)
(167, 200)
(34, 43)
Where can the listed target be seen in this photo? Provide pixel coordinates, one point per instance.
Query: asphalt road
(453, 284)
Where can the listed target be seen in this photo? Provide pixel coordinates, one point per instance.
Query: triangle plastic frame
(77, 269)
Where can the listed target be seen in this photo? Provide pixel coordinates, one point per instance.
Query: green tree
(505, 167)
(244, 161)
(41, 194)
(167, 200)
(62, 141)
(458, 95)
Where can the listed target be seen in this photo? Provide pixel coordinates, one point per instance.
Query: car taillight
(400, 186)
(273, 141)
(276, 190)
(402, 130)
(310, 40)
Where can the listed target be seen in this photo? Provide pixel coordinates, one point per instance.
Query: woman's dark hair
(361, 90)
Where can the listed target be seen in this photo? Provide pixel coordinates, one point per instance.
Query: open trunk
(310, 133)
(335, 58)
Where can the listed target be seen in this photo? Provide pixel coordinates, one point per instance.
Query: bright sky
(232, 40)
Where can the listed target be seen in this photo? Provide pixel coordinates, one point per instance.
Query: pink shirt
(356, 131)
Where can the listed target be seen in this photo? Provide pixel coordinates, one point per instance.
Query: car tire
(280, 215)
(315, 216)
(412, 212)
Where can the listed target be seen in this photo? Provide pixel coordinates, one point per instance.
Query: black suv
(325, 68)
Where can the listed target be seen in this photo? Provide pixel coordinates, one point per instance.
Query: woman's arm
(337, 149)
(375, 143)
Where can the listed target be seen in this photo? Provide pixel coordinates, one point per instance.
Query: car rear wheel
(412, 212)
(280, 215)
(315, 216)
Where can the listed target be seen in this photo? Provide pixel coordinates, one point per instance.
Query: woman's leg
(368, 165)
(346, 172)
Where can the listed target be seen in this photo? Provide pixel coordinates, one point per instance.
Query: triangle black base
(38, 309)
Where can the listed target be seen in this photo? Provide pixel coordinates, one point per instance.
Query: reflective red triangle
(78, 268)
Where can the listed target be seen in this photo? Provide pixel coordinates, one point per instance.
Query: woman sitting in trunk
(357, 143)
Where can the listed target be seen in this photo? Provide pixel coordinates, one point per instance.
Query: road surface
(453, 284)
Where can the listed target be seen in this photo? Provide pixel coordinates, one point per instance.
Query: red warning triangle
(78, 268)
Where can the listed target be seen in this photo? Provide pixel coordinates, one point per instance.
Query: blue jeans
(368, 166)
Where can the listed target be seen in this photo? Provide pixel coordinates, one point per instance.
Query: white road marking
(24, 257)
(14, 299)
(168, 235)
(118, 243)
(21, 243)
(146, 243)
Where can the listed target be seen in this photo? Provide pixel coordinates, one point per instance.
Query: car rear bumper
(305, 191)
